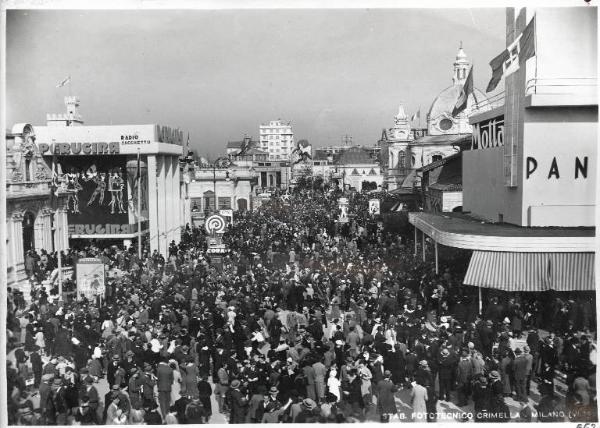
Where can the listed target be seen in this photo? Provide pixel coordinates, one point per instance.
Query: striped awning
(512, 271)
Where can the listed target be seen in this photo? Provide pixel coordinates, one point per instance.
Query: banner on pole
(90, 278)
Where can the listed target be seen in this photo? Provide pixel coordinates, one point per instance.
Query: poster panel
(97, 193)
(90, 278)
(374, 208)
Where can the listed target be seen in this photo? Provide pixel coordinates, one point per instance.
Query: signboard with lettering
(228, 214)
(90, 278)
(79, 148)
(488, 134)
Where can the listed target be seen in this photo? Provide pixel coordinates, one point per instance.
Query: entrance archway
(28, 232)
(242, 204)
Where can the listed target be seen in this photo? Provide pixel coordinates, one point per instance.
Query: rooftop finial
(461, 44)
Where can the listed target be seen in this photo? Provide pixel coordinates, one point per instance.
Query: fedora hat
(273, 390)
(235, 383)
(308, 404)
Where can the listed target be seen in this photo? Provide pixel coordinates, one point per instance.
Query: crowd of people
(306, 320)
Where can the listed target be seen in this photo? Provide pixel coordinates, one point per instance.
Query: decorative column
(61, 230)
(43, 230)
(178, 220)
(47, 232)
(162, 173)
(38, 230)
(18, 258)
(152, 203)
(174, 200)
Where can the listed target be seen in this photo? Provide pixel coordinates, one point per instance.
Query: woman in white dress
(333, 384)
(39, 339)
(176, 387)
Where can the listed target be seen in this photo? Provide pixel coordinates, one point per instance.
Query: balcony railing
(489, 103)
(562, 86)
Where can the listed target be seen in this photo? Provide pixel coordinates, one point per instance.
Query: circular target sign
(215, 224)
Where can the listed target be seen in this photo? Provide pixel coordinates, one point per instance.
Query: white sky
(218, 74)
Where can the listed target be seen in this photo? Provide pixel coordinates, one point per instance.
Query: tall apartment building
(277, 139)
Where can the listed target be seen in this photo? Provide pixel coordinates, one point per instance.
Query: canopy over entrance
(512, 271)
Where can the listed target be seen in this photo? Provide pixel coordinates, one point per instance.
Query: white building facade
(97, 167)
(277, 139)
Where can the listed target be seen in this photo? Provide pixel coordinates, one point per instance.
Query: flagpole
(535, 51)
(473, 91)
(139, 207)
(58, 240)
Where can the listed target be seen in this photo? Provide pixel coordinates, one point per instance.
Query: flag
(467, 89)
(54, 184)
(138, 174)
(417, 115)
(510, 60)
(497, 70)
(64, 82)
(245, 146)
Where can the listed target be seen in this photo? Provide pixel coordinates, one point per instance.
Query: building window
(196, 205)
(27, 169)
(224, 203)
(401, 159)
(446, 124)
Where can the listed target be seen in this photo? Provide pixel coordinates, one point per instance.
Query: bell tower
(461, 67)
(70, 118)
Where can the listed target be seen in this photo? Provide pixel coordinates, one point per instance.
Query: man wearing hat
(352, 391)
(498, 406)
(308, 413)
(447, 368)
(486, 337)
(128, 364)
(237, 403)
(521, 369)
(273, 407)
(135, 387)
(164, 375)
(386, 402)
(84, 414)
(45, 392)
(113, 367)
(89, 391)
(527, 355)
(109, 397)
(423, 374)
(59, 402)
(464, 373)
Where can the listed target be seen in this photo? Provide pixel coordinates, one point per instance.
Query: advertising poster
(374, 206)
(90, 278)
(97, 194)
